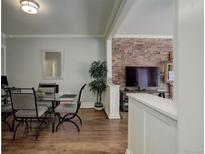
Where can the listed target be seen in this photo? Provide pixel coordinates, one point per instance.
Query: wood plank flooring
(98, 135)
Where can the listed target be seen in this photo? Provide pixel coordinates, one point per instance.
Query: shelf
(165, 68)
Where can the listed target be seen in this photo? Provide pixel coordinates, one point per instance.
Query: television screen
(142, 77)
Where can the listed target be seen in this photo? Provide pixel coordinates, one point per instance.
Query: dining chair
(24, 108)
(6, 111)
(48, 90)
(71, 111)
(47, 85)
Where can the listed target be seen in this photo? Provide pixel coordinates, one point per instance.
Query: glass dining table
(55, 100)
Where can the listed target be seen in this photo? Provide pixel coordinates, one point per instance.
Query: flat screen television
(142, 77)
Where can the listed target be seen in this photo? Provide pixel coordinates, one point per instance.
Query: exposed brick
(137, 52)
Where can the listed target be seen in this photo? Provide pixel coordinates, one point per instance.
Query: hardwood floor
(98, 135)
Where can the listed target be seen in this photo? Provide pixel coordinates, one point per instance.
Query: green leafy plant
(98, 72)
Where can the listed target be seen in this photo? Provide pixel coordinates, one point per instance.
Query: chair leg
(50, 115)
(74, 124)
(53, 122)
(44, 120)
(59, 119)
(14, 135)
(37, 133)
(13, 123)
(67, 115)
(27, 127)
(30, 123)
(64, 120)
(7, 124)
(59, 125)
(79, 119)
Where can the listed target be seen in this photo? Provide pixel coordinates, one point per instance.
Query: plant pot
(98, 106)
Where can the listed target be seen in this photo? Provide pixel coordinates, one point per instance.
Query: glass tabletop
(56, 97)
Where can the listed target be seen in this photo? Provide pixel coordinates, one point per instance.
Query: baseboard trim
(86, 105)
(128, 152)
(114, 117)
(111, 116)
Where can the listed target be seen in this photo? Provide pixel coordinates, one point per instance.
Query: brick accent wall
(137, 52)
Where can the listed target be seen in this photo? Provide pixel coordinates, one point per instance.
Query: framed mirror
(52, 64)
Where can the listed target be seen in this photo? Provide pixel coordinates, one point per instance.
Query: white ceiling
(149, 17)
(58, 17)
(88, 17)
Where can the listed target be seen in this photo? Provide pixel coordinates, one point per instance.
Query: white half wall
(189, 76)
(24, 62)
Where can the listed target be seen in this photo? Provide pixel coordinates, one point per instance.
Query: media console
(125, 91)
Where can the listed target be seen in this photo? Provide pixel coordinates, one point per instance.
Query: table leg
(53, 124)
(53, 110)
(163, 95)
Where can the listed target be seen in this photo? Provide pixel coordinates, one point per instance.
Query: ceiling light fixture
(29, 6)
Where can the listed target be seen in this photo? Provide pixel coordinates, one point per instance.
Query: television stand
(124, 97)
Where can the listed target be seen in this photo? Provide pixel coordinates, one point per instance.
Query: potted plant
(98, 72)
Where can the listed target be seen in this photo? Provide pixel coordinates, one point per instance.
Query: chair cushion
(47, 104)
(31, 113)
(68, 108)
(6, 108)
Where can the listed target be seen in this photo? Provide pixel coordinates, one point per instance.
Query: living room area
(142, 65)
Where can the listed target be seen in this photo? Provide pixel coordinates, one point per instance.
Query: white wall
(24, 61)
(149, 17)
(3, 39)
(189, 76)
(3, 54)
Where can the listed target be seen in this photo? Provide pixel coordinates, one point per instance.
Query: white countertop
(165, 106)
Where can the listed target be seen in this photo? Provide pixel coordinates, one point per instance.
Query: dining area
(36, 109)
(45, 117)
(45, 120)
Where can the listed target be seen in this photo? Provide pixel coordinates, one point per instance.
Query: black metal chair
(49, 98)
(25, 108)
(6, 111)
(48, 85)
(50, 90)
(71, 110)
